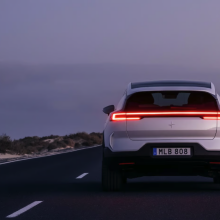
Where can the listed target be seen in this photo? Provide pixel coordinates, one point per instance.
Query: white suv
(162, 128)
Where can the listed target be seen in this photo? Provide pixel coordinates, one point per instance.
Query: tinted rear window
(170, 83)
(171, 101)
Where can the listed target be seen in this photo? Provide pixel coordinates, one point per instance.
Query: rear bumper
(142, 162)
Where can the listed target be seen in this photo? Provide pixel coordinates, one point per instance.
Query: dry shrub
(96, 138)
(31, 149)
(49, 137)
(69, 142)
(89, 139)
(77, 145)
(60, 144)
(56, 144)
(18, 147)
(79, 135)
(35, 144)
(5, 143)
(52, 146)
(87, 143)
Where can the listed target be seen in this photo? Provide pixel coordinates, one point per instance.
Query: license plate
(180, 151)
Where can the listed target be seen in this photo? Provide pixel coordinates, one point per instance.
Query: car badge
(171, 125)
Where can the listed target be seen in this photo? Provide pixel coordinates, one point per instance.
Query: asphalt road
(53, 182)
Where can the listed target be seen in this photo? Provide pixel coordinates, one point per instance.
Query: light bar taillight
(122, 116)
(130, 163)
(211, 118)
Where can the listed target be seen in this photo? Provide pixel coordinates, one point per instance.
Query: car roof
(170, 85)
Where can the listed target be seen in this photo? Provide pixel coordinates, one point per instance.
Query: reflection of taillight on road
(122, 116)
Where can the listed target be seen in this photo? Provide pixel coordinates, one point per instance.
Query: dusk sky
(61, 62)
(167, 32)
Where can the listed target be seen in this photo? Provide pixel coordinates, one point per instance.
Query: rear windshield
(171, 101)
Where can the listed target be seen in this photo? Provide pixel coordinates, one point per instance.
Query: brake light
(122, 116)
(126, 163)
(214, 162)
(211, 118)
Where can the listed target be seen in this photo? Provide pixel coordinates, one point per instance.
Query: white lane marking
(20, 211)
(48, 155)
(81, 176)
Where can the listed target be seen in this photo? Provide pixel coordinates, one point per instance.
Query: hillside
(38, 145)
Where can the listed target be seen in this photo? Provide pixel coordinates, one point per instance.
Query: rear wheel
(112, 180)
(124, 180)
(216, 179)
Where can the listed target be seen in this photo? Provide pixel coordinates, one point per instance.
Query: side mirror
(108, 109)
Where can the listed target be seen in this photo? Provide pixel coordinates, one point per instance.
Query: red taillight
(126, 163)
(122, 116)
(214, 162)
(211, 118)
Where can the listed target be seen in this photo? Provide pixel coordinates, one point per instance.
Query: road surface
(68, 186)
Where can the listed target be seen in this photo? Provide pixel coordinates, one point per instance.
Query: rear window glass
(170, 83)
(171, 101)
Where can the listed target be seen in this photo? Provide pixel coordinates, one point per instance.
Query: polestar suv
(162, 128)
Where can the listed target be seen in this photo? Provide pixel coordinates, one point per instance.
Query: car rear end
(163, 128)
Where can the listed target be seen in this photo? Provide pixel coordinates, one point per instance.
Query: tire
(216, 179)
(124, 180)
(111, 180)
